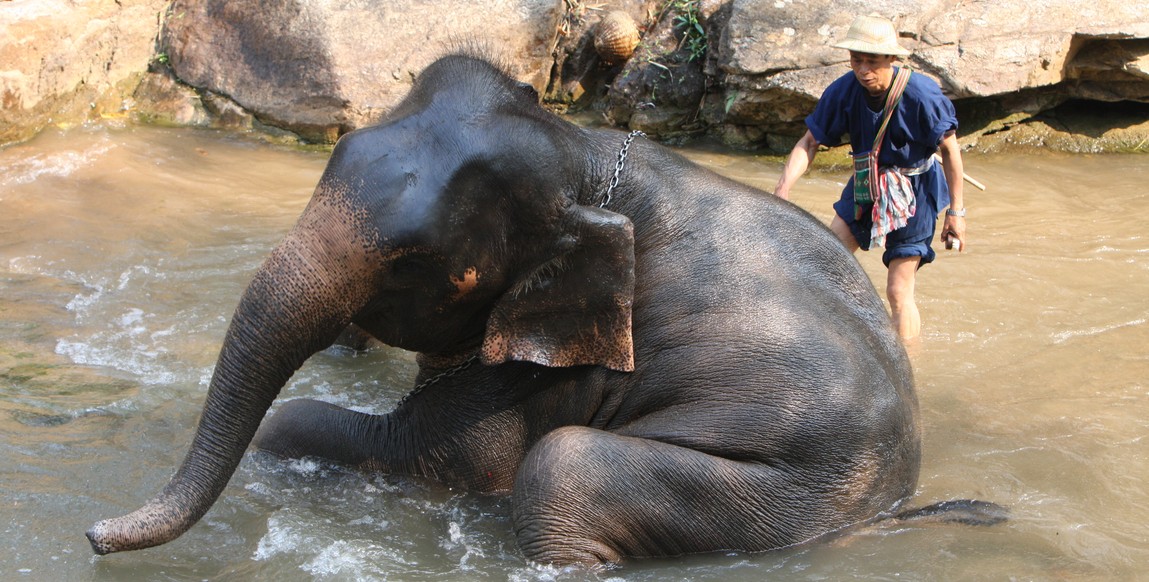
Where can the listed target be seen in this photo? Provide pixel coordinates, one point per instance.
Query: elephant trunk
(297, 304)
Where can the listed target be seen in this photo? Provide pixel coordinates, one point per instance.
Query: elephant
(650, 359)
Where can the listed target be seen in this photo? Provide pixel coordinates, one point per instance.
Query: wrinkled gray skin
(698, 366)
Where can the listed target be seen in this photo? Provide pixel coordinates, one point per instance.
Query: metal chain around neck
(436, 378)
(618, 166)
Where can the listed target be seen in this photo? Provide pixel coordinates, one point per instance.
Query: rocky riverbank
(1065, 74)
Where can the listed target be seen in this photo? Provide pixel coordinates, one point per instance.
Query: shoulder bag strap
(897, 88)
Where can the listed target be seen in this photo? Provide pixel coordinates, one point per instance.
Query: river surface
(123, 252)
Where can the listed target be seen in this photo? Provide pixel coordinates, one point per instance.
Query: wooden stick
(967, 177)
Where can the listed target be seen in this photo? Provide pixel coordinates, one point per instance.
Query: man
(923, 122)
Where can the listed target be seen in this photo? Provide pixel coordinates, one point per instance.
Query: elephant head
(461, 223)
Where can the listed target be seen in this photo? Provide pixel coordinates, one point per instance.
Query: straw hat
(872, 34)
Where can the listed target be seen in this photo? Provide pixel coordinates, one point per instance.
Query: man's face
(874, 72)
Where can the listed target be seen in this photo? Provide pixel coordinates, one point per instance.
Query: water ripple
(1064, 336)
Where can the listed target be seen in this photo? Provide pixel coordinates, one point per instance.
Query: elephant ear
(576, 309)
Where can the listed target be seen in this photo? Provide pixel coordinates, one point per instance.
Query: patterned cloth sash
(894, 207)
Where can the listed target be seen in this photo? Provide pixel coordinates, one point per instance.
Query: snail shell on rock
(615, 37)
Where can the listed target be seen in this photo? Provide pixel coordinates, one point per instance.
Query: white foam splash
(127, 276)
(543, 573)
(60, 164)
(348, 561)
(29, 265)
(1064, 336)
(260, 489)
(126, 344)
(306, 467)
(455, 540)
(281, 538)
(139, 364)
(117, 336)
(82, 303)
(330, 559)
(372, 521)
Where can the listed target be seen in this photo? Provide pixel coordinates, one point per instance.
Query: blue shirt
(922, 117)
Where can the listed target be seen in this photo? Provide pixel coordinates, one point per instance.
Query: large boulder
(66, 62)
(748, 71)
(775, 58)
(580, 73)
(976, 49)
(320, 69)
(767, 62)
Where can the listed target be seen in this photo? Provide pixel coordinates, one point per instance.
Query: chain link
(618, 166)
(435, 379)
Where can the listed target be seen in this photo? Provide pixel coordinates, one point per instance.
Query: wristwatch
(952, 212)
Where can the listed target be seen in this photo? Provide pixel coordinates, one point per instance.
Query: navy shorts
(913, 239)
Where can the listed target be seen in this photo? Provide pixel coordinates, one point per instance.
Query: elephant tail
(963, 511)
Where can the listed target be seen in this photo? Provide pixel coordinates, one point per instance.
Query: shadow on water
(123, 253)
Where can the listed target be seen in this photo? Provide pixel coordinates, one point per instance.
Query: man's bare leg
(842, 231)
(899, 284)
(900, 292)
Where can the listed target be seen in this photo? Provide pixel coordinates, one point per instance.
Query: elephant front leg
(585, 496)
(306, 427)
(476, 454)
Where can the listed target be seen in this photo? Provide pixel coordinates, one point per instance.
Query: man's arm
(799, 161)
(954, 226)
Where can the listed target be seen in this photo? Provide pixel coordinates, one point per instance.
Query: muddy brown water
(123, 252)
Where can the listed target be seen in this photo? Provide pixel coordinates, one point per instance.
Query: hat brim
(873, 49)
